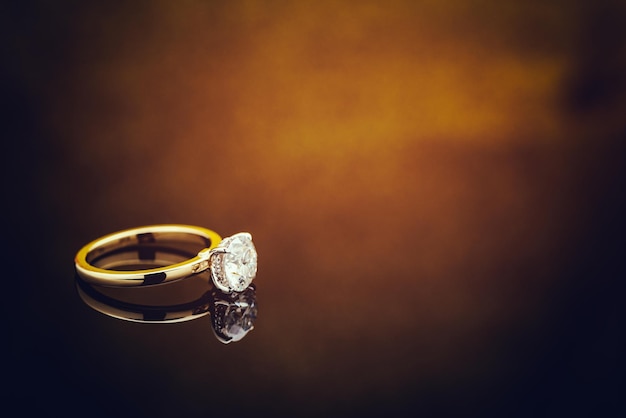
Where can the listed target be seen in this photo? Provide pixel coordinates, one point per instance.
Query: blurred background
(435, 190)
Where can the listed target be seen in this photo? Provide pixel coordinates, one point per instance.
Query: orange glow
(403, 155)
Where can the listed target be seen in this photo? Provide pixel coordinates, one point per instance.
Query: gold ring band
(232, 260)
(145, 235)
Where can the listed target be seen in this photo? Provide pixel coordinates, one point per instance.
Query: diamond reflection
(233, 315)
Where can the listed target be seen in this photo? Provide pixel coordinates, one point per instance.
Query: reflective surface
(435, 193)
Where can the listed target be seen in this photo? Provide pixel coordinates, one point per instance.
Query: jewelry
(232, 315)
(231, 261)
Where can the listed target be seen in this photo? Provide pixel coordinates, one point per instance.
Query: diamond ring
(231, 261)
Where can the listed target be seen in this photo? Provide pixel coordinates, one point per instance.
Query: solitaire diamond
(234, 263)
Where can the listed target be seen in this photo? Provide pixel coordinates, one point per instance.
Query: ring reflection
(232, 315)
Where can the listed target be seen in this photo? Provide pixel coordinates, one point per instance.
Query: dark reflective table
(435, 190)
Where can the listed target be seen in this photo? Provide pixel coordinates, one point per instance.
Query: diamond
(234, 263)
